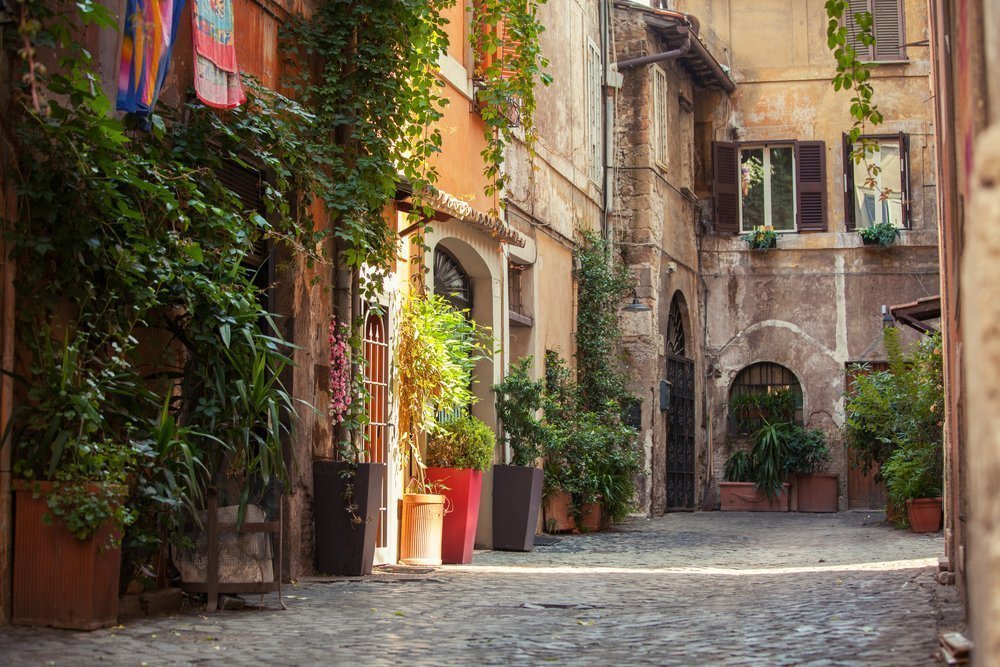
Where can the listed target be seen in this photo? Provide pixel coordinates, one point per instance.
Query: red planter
(817, 492)
(744, 497)
(462, 511)
(59, 580)
(925, 514)
(558, 512)
(594, 519)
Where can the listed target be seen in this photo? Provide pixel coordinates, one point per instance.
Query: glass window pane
(878, 197)
(782, 188)
(752, 187)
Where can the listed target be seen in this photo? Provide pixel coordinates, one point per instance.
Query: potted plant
(458, 453)
(347, 492)
(808, 459)
(70, 491)
(914, 478)
(763, 237)
(517, 487)
(881, 233)
(754, 481)
(436, 353)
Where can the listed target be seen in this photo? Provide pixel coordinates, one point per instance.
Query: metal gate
(680, 434)
(376, 342)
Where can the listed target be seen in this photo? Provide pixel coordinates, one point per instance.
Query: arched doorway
(680, 419)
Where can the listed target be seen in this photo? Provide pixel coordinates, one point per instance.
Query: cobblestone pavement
(685, 589)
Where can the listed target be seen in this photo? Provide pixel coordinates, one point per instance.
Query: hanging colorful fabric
(150, 30)
(216, 75)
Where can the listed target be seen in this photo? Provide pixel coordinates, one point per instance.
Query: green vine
(509, 61)
(854, 73)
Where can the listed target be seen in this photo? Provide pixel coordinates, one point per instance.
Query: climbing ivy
(853, 73)
(509, 62)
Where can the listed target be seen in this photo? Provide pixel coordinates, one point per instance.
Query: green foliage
(518, 400)
(509, 62)
(466, 442)
(602, 284)
(883, 233)
(738, 467)
(436, 352)
(761, 238)
(769, 456)
(752, 409)
(143, 329)
(902, 406)
(807, 452)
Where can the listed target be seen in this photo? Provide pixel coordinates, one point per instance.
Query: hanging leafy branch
(854, 73)
(509, 62)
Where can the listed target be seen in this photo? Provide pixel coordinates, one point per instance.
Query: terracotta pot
(558, 512)
(744, 497)
(343, 546)
(59, 580)
(925, 514)
(594, 519)
(517, 497)
(464, 488)
(817, 492)
(420, 529)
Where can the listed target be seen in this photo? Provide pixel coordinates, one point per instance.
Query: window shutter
(594, 103)
(509, 44)
(726, 185)
(810, 168)
(849, 219)
(856, 7)
(660, 120)
(904, 177)
(888, 30)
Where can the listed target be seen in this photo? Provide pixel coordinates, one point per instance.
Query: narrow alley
(682, 589)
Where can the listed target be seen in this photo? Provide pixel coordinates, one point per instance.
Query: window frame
(850, 186)
(661, 117)
(595, 141)
(768, 217)
(870, 54)
(794, 386)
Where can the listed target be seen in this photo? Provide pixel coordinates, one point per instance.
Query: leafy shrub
(807, 452)
(738, 467)
(883, 233)
(466, 442)
(518, 400)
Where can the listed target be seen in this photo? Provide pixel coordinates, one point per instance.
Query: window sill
(519, 320)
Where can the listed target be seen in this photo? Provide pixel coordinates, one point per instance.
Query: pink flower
(340, 372)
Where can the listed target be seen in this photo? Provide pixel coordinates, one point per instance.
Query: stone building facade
(797, 316)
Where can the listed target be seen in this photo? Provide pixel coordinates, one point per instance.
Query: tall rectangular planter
(464, 490)
(744, 497)
(59, 580)
(517, 497)
(343, 546)
(817, 492)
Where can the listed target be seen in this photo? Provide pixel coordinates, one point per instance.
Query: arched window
(675, 329)
(764, 391)
(450, 279)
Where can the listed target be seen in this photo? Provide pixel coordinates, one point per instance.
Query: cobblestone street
(684, 589)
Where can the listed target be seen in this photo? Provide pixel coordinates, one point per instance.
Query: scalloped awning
(461, 210)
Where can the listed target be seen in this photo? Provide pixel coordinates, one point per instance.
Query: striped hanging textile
(216, 74)
(150, 30)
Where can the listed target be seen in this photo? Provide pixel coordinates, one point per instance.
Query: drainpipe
(659, 57)
(607, 115)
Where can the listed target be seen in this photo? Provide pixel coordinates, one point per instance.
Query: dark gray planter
(343, 547)
(517, 497)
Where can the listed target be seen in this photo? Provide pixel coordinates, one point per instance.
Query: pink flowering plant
(340, 372)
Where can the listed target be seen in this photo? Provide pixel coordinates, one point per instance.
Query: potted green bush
(458, 453)
(436, 352)
(517, 486)
(72, 466)
(914, 478)
(761, 238)
(882, 234)
(815, 489)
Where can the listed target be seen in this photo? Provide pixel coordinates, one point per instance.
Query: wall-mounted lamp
(636, 306)
(887, 318)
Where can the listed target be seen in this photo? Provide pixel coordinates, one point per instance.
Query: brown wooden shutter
(849, 219)
(726, 186)
(856, 7)
(810, 171)
(509, 44)
(904, 177)
(888, 30)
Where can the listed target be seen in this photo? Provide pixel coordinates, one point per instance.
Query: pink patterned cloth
(216, 74)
